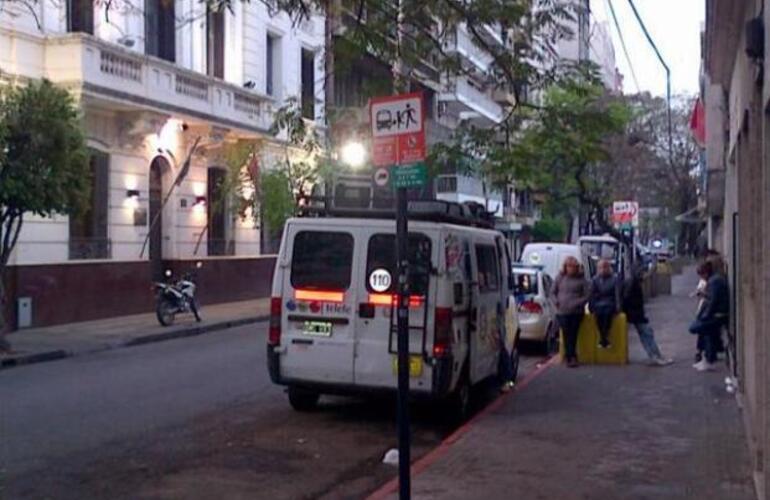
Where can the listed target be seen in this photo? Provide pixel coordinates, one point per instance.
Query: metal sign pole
(402, 312)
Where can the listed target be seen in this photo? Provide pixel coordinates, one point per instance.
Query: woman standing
(605, 300)
(570, 294)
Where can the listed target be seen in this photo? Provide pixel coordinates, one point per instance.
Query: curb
(419, 466)
(41, 357)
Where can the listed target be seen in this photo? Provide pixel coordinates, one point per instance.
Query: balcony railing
(462, 92)
(90, 248)
(113, 72)
(462, 43)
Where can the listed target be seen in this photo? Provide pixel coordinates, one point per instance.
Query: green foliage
(278, 201)
(43, 157)
(549, 229)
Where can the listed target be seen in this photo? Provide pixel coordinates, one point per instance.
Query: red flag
(698, 123)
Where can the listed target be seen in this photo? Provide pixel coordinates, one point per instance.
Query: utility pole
(668, 80)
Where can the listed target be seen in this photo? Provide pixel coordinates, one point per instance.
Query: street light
(353, 154)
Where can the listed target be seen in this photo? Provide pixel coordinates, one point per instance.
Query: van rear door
(376, 336)
(319, 302)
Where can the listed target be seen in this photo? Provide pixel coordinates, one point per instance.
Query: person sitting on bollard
(569, 294)
(633, 305)
(605, 300)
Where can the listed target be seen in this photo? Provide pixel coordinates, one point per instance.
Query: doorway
(158, 167)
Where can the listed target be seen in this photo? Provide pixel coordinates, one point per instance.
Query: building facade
(736, 95)
(152, 79)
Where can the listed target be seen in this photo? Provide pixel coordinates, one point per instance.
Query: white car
(537, 316)
(550, 256)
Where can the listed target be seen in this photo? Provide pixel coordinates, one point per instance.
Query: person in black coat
(712, 316)
(633, 306)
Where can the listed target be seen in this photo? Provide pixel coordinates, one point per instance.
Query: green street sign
(409, 176)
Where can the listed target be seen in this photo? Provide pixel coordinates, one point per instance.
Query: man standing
(712, 316)
(633, 305)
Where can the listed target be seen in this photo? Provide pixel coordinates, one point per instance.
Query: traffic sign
(398, 129)
(625, 213)
(410, 176)
(381, 177)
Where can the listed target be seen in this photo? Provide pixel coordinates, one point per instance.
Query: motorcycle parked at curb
(176, 298)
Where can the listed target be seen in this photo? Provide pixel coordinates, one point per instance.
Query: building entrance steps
(61, 341)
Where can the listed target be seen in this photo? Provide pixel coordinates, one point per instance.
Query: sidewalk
(73, 339)
(600, 432)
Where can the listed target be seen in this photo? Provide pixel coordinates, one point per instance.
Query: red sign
(398, 129)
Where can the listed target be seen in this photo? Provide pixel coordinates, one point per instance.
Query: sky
(675, 27)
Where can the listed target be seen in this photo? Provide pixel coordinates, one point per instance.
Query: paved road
(191, 418)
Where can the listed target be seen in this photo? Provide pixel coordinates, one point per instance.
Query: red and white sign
(398, 130)
(625, 212)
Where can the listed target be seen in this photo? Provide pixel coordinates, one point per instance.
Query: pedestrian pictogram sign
(398, 130)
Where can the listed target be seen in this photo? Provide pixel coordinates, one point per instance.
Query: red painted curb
(432, 456)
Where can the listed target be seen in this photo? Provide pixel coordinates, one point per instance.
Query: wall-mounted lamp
(200, 204)
(132, 198)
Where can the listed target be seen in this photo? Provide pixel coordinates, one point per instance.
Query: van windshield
(382, 255)
(322, 260)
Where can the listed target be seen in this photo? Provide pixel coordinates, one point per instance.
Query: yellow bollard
(588, 350)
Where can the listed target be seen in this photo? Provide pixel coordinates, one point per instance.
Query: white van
(333, 327)
(550, 256)
(606, 247)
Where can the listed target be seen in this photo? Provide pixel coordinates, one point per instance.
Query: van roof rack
(464, 214)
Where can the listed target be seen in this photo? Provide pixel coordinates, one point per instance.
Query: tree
(44, 166)
(561, 151)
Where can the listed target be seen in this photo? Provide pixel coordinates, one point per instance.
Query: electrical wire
(623, 45)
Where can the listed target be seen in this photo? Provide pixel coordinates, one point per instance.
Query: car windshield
(525, 283)
(382, 256)
(322, 260)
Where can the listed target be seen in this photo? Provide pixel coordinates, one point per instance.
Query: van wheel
(515, 357)
(302, 399)
(459, 403)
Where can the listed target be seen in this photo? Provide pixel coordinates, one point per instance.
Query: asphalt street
(190, 418)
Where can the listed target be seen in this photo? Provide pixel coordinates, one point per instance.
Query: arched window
(88, 229)
(220, 226)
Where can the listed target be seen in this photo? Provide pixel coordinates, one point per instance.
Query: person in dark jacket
(712, 316)
(569, 295)
(605, 300)
(633, 305)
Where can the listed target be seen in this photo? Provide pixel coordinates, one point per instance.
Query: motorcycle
(175, 298)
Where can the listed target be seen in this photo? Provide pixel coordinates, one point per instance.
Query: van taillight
(274, 333)
(442, 340)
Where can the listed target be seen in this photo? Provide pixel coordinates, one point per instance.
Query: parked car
(550, 256)
(333, 322)
(537, 316)
(598, 247)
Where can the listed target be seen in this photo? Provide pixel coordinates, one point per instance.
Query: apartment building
(152, 77)
(736, 95)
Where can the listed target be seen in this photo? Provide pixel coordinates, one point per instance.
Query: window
(219, 242)
(215, 42)
(446, 184)
(160, 29)
(322, 260)
(80, 16)
(308, 84)
(525, 283)
(488, 268)
(88, 229)
(382, 255)
(271, 58)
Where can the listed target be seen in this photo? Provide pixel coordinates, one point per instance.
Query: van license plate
(317, 328)
(415, 366)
